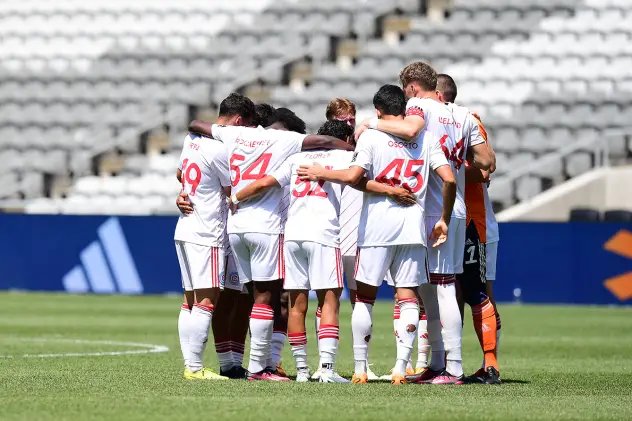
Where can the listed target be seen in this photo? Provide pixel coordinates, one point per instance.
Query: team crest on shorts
(234, 278)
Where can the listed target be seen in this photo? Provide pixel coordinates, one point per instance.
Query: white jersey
(350, 210)
(441, 122)
(493, 233)
(314, 206)
(390, 160)
(204, 167)
(253, 154)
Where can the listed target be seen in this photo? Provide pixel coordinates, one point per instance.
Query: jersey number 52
(393, 171)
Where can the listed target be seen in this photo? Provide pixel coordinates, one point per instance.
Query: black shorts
(474, 277)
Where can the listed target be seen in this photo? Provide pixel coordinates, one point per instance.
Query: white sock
(261, 321)
(396, 315)
(184, 331)
(423, 345)
(328, 339)
(406, 333)
(298, 342)
(361, 326)
(428, 294)
(317, 322)
(224, 352)
(452, 327)
(200, 320)
(278, 342)
(237, 353)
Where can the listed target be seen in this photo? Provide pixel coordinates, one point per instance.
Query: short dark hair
(390, 100)
(264, 113)
(290, 120)
(446, 84)
(336, 128)
(419, 72)
(237, 104)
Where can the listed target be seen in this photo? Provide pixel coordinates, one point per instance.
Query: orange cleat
(280, 371)
(360, 378)
(398, 379)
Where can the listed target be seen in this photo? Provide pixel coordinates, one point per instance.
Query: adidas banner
(536, 262)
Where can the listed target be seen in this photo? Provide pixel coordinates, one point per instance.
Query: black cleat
(235, 373)
(492, 376)
(477, 378)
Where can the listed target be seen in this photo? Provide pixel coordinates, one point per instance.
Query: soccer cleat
(445, 378)
(302, 375)
(423, 376)
(478, 377)
(203, 374)
(360, 378)
(280, 371)
(235, 373)
(492, 376)
(267, 375)
(410, 371)
(370, 374)
(398, 379)
(420, 370)
(317, 374)
(332, 377)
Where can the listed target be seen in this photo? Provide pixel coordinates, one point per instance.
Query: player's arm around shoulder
(351, 175)
(479, 155)
(317, 141)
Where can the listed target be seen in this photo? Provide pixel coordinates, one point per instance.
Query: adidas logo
(486, 328)
(106, 265)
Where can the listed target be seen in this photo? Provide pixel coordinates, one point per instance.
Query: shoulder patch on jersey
(353, 158)
(415, 110)
(221, 125)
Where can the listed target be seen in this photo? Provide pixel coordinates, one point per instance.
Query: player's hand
(233, 207)
(439, 233)
(402, 197)
(183, 204)
(311, 172)
(361, 128)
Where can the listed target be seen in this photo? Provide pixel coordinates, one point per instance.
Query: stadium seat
(584, 215)
(617, 215)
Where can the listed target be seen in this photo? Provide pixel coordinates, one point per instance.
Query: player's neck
(223, 121)
(431, 95)
(391, 117)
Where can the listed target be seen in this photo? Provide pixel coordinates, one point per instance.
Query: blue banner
(583, 263)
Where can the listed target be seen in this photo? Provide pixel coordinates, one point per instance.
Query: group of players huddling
(270, 214)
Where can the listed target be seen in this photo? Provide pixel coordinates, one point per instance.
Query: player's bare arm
(440, 231)
(179, 175)
(407, 129)
(400, 195)
(479, 156)
(315, 172)
(316, 141)
(254, 189)
(202, 127)
(475, 176)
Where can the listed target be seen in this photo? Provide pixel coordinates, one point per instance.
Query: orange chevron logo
(620, 286)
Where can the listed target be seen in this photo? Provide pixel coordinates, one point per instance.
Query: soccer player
(312, 248)
(424, 109)
(200, 236)
(392, 237)
(256, 231)
(473, 280)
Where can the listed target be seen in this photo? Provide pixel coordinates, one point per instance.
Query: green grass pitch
(557, 363)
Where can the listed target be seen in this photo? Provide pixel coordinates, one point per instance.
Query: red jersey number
(456, 154)
(191, 175)
(255, 171)
(307, 190)
(411, 171)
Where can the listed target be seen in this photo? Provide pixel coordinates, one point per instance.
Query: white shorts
(447, 259)
(491, 253)
(231, 280)
(407, 264)
(312, 266)
(348, 267)
(258, 256)
(201, 267)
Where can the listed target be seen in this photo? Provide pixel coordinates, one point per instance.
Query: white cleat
(302, 375)
(317, 374)
(370, 374)
(332, 377)
(387, 376)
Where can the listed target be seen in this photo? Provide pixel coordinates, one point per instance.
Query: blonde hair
(421, 73)
(340, 107)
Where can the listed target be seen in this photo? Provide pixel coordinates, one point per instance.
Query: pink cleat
(424, 376)
(445, 378)
(267, 375)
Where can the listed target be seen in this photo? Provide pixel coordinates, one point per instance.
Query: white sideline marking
(147, 348)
